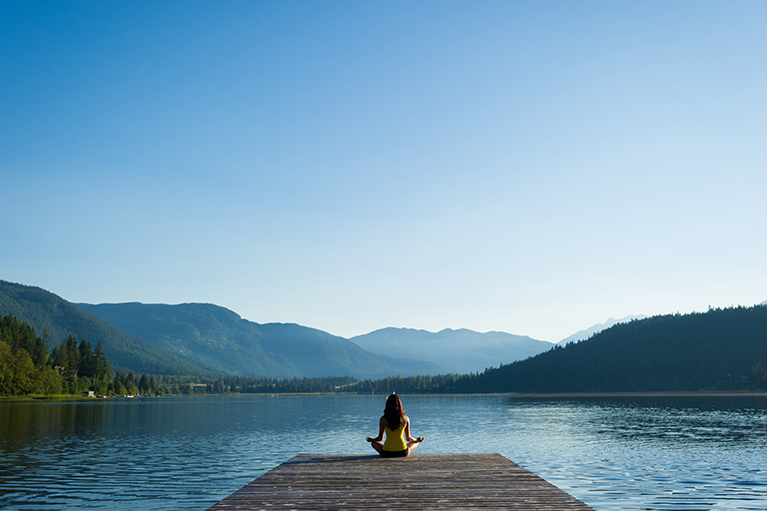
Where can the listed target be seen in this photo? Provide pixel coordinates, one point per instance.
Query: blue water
(188, 453)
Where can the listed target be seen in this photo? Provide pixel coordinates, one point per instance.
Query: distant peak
(594, 329)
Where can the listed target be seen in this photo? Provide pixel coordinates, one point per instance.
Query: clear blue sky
(532, 167)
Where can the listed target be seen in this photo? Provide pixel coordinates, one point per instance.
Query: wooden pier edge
(419, 482)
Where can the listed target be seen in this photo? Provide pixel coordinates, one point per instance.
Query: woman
(396, 425)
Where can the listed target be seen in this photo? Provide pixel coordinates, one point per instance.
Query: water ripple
(187, 454)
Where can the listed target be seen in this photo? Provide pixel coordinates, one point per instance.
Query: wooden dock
(418, 482)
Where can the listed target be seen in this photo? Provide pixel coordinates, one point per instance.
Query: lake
(614, 453)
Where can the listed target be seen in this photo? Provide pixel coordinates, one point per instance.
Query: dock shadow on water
(622, 453)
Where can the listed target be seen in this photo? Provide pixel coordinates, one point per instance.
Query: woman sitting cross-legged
(396, 425)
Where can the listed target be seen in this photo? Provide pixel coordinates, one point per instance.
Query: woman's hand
(419, 439)
(368, 439)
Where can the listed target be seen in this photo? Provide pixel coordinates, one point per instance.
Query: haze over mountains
(462, 351)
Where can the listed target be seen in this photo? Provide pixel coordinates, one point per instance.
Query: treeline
(81, 367)
(195, 385)
(410, 385)
(441, 384)
(127, 384)
(27, 367)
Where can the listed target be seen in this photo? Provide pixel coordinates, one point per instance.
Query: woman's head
(393, 412)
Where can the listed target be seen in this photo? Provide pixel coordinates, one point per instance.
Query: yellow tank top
(395, 439)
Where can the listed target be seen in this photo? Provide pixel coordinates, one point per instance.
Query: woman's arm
(409, 438)
(381, 426)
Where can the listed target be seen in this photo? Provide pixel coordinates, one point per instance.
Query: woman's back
(396, 426)
(395, 438)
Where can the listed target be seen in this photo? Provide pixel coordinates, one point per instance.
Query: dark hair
(394, 413)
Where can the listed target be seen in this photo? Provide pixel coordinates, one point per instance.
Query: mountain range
(723, 348)
(461, 351)
(206, 339)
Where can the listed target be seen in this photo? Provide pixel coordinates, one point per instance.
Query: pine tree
(73, 355)
(143, 385)
(86, 364)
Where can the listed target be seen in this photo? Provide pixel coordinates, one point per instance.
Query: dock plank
(419, 482)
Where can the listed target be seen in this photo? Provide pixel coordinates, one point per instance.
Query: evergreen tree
(86, 363)
(118, 388)
(102, 369)
(143, 385)
(73, 355)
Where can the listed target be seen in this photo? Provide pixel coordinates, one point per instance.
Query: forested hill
(719, 349)
(58, 319)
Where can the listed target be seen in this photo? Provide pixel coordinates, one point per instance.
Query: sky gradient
(528, 167)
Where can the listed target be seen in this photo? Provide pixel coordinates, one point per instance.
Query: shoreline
(514, 395)
(661, 393)
(41, 397)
